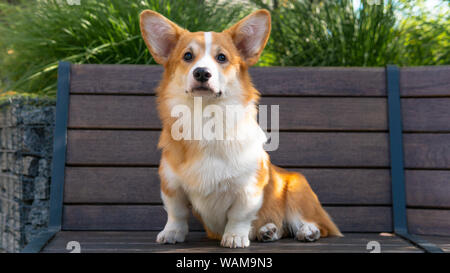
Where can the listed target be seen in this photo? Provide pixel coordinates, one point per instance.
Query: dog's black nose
(202, 74)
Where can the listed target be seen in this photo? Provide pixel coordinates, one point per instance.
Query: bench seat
(336, 128)
(144, 241)
(443, 242)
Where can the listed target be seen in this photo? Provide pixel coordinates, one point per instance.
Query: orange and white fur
(231, 185)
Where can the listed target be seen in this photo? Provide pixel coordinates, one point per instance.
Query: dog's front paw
(171, 236)
(233, 240)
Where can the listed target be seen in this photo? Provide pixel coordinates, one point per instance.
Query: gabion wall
(26, 136)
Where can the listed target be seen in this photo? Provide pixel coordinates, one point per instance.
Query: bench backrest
(334, 129)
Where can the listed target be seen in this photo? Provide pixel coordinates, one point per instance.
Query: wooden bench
(338, 126)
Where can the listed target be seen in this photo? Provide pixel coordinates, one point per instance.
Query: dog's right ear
(160, 34)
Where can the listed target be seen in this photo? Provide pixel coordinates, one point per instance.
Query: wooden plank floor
(144, 241)
(440, 241)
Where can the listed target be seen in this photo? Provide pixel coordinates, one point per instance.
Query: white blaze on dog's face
(208, 64)
(205, 76)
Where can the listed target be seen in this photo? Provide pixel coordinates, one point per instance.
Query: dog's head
(208, 64)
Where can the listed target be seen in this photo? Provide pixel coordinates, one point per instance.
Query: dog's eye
(221, 58)
(187, 56)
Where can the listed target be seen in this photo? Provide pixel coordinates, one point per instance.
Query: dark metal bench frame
(396, 158)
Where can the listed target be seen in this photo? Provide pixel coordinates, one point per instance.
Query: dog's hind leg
(302, 230)
(305, 217)
(269, 233)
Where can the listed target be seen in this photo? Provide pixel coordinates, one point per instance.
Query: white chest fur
(223, 172)
(224, 181)
(223, 175)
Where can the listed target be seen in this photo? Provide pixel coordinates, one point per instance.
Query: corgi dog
(230, 184)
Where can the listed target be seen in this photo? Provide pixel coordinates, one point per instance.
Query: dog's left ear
(250, 35)
(160, 35)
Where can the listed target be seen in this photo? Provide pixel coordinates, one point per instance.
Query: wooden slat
(441, 241)
(117, 217)
(114, 79)
(139, 112)
(362, 219)
(332, 186)
(112, 147)
(334, 81)
(429, 221)
(350, 186)
(427, 150)
(428, 114)
(332, 149)
(111, 185)
(320, 81)
(329, 113)
(296, 149)
(428, 188)
(141, 185)
(145, 241)
(131, 112)
(425, 81)
(140, 217)
(315, 81)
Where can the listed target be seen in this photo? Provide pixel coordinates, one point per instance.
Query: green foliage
(331, 33)
(424, 38)
(35, 36)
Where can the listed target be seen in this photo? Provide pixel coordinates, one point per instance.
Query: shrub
(331, 33)
(424, 37)
(35, 36)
